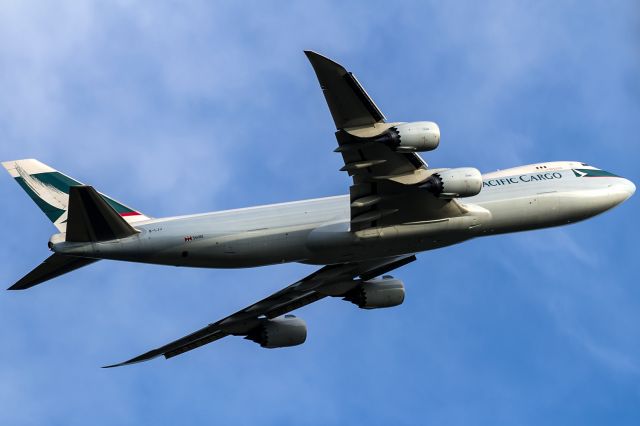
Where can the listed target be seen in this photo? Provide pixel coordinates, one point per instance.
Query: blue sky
(180, 107)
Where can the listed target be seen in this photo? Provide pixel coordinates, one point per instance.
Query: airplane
(397, 206)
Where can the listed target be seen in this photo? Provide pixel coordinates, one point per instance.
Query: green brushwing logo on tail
(50, 192)
(53, 213)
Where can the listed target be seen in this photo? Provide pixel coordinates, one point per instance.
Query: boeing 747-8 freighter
(397, 206)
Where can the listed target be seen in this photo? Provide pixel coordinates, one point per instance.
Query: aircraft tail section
(81, 212)
(54, 266)
(49, 189)
(90, 218)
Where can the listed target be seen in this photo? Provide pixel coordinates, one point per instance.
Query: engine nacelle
(418, 136)
(454, 183)
(383, 292)
(280, 332)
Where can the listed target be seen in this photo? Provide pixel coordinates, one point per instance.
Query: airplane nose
(629, 187)
(622, 190)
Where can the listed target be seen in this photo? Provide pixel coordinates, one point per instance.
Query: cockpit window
(585, 164)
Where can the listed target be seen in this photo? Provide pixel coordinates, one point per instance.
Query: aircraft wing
(331, 280)
(385, 189)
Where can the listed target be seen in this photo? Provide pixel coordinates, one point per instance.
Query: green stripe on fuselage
(592, 173)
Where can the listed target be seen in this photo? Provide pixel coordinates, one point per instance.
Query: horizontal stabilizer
(54, 266)
(92, 219)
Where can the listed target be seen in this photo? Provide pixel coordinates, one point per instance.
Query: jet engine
(418, 136)
(454, 183)
(279, 332)
(384, 292)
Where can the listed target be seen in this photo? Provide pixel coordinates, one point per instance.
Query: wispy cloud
(175, 108)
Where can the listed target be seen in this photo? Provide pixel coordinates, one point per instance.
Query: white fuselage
(317, 231)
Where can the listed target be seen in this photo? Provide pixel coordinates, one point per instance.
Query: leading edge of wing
(296, 295)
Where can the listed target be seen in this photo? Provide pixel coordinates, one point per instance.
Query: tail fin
(49, 189)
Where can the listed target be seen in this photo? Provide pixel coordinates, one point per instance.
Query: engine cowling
(454, 183)
(280, 332)
(384, 292)
(418, 136)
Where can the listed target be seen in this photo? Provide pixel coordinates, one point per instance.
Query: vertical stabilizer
(49, 189)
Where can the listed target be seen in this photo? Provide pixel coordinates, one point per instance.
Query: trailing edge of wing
(187, 343)
(349, 103)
